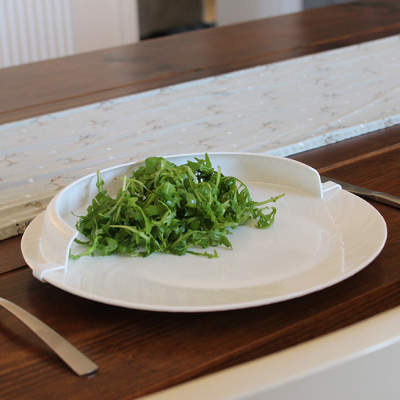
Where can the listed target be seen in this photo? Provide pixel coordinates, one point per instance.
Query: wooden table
(142, 352)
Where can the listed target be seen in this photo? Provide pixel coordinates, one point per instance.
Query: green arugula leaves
(167, 208)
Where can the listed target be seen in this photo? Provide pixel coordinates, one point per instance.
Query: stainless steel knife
(370, 194)
(68, 353)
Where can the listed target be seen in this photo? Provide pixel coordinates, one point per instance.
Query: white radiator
(35, 30)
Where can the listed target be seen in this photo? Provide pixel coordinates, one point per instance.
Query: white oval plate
(313, 244)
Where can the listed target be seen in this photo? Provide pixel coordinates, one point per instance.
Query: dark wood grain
(376, 171)
(10, 255)
(142, 352)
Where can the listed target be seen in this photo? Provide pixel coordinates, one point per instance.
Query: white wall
(236, 11)
(36, 30)
(99, 24)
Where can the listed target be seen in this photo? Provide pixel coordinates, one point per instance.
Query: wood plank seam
(359, 158)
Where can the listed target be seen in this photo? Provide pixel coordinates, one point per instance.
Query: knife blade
(370, 194)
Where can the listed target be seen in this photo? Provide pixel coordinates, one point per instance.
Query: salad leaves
(167, 208)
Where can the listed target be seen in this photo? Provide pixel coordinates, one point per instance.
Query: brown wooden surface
(142, 352)
(10, 255)
(39, 88)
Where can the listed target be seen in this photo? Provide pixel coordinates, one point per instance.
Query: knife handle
(77, 361)
(369, 194)
(384, 198)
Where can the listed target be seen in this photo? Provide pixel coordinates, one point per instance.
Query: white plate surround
(315, 242)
